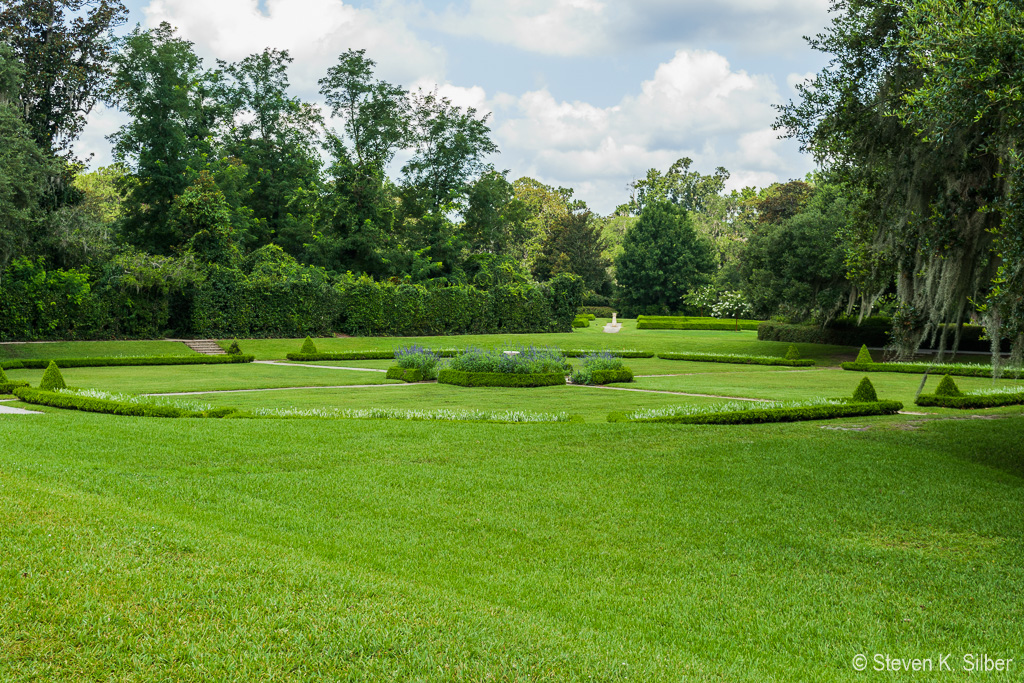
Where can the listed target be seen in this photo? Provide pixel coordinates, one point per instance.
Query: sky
(587, 94)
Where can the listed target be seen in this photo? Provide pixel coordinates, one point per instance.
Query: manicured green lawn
(141, 549)
(93, 349)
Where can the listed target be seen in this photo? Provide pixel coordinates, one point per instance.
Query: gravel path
(11, 410)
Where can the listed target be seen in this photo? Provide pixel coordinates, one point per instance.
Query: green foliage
(864, 356)
(36, 303)
(419, 358)
(201, 222)
(618, 353)
(6, 385)
(971, 401)
(524, 360)
(499, 379)
(345, 355)
(918, 368)
(669, 322)
(947, 387)
(738, 359)
(865, 392)
(662, 259)
(598, 311)
(580, 321)
(406, 374)
(573, 244)
(792, 353)
(47, 397)
(234, 349)
(824, 412)
(52, 379)
(602, 368)
(679, 186)
(308, 347)
(874, 331)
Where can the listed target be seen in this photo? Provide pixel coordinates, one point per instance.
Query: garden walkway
(10, 410)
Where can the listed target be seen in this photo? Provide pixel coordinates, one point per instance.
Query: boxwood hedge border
(827, 412)
(919, 368)
(739, 360)
(499, 379)
(116, 361)
(969, 402)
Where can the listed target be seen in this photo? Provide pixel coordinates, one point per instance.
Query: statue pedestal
(614, 326)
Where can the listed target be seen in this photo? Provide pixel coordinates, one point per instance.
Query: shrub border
(100, 405)
(360, 355)
(969, 402)
(9, 387)
(622, 353)
(919, 368)
(115, 361)
(827, 412)
(611, 376)
(405, 374)
(738, 360)
(500, 379)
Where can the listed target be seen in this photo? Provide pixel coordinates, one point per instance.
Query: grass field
(140, 549)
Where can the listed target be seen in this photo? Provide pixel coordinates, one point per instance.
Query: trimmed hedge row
(499, 379)
(115, 361)
(99, 405)
(360, 355)
(9, 387)
(666, 322)
(874, 331)
(405, 374)
(919, 368)
(829, 412)
(581, 322)
(968, 402)
(622, 353)
(611, 376)
(739, 360)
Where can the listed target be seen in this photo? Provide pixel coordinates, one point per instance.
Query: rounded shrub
(52, 379)
(865, 392)
(947, 387)
(308, 347)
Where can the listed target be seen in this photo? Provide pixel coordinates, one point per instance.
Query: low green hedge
(98, 405)
(499, 379)
(9, 387)
(919, 368)
(581, 322)
(405, 374)
(742, 360)
(597, 311)
(666, 322)
(621, 353)
(827, 412)
(358, 355)
(969, 402)
(114, 361)
(611, 376)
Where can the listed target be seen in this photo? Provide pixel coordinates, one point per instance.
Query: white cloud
(554, 27)
(92, 146)
(696, 105)
(793, 80)
(315, 32)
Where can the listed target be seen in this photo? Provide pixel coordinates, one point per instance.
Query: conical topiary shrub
(947, 387)
(233, 349)
(308, 346)
(864, 356)
(865, 392)
(792, 353)
(52, 379)
(3, 376)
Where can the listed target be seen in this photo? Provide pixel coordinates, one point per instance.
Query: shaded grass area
(93, 349)
(158, 379)
(312, 550)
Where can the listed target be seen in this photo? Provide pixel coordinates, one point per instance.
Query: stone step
(208, 347)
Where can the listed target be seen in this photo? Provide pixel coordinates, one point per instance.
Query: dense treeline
(236, 208)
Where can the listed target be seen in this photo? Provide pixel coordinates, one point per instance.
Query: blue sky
(587, 94)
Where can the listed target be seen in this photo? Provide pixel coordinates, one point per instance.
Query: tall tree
(160, 83)
(450, 145)
(24, 168)
(275, 136)
(679, 186)
(495, 218)
(922, 202)
(574, 245)
(375, 113)
(66, 46)
(663, 258)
